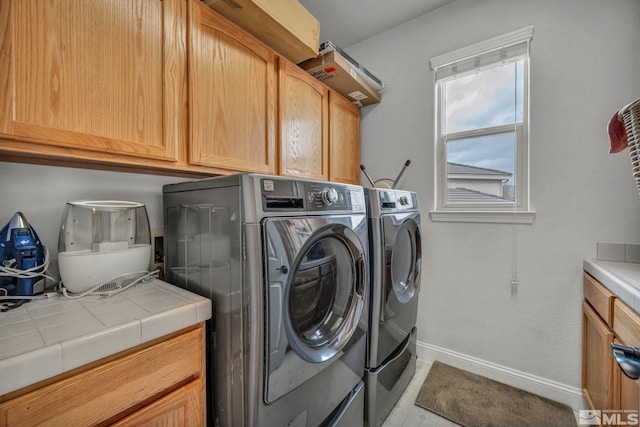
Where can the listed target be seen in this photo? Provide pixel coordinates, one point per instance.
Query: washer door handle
(360, 277)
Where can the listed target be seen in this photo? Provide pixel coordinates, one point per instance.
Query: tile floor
(407, 414)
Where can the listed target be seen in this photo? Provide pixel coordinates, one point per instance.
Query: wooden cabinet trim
(7, 78)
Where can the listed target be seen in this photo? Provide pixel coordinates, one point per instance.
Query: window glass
(484, 99)
(481, 169)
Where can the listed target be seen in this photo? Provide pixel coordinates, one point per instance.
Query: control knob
(329, 196)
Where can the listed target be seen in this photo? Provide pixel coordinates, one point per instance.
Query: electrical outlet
(157, 250)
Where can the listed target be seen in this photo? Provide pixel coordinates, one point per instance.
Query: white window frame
(518, 211)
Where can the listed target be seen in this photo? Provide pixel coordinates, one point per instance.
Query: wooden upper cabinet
(103, 76)
(303, 107)
(232, 95)
(344, 140)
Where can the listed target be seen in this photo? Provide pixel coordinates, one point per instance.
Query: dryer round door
(324, 290)
(403, 255)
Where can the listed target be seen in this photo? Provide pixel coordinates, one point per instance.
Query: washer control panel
(326, 196)
(330, 196)
(282, 194)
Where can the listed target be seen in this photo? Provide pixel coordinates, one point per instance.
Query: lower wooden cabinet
(158, 383)
(627, 330)
(606, 320)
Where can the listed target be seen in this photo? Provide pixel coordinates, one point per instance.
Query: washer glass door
(317, 279)
(321, 296)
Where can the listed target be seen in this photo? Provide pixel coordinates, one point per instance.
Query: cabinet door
(344, 140)
(97, 75)
(597, 362)
(303, 106)
(232, 95)
(184, 407)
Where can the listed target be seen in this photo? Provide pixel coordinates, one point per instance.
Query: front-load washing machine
(395, 260)
(285, 263)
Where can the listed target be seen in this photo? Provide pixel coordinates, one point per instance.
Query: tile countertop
(621, 278)
(44, 338)
(618, 268)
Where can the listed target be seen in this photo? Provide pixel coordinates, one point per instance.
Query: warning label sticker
(325, 73)
(357, 95)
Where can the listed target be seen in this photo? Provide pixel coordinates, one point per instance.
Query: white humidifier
(102, 244)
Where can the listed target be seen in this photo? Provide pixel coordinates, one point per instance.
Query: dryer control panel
(397, 200)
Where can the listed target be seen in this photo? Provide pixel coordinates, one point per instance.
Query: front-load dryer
(395, 260)
(285, 262)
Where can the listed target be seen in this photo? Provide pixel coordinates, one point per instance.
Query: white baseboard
(562, 393)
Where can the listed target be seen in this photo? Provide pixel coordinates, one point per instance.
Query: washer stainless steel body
(285, 264)
(395, 260)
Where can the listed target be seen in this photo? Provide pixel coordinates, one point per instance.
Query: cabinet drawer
(111, 389)
(181, 408)
(626, 324)
(600, 298)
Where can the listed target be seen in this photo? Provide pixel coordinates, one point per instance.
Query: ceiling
(346, 22)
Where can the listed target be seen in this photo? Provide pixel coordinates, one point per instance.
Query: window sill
(504, 217)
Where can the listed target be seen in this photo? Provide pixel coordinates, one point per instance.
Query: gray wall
(584, 67)
(41, 193)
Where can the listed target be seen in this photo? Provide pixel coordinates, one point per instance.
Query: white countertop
(44, 338)
(621, 278)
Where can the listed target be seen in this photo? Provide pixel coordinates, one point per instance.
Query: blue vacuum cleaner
(22, 259)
